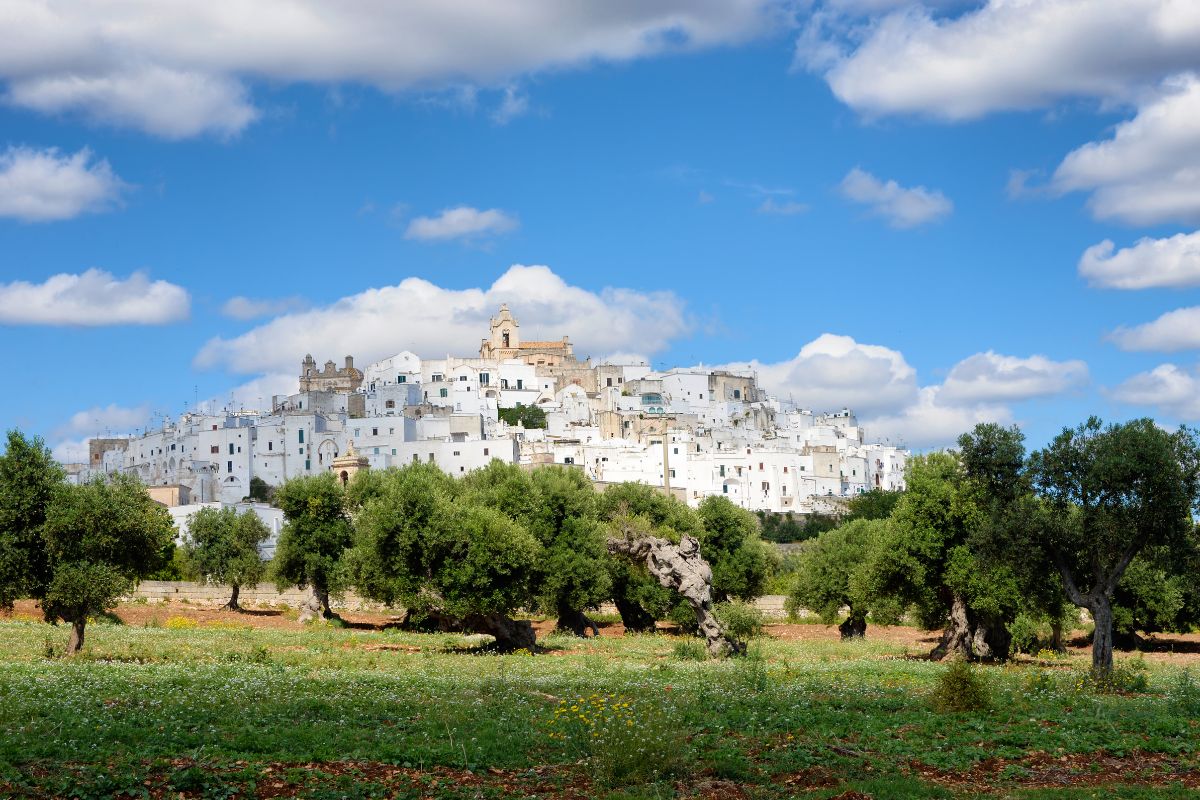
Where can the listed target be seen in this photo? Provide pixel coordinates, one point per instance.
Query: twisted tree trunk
(511, 634)
(576, 622)
(971, 637)
(854, 626)
(682, 568)
(232, 605)
(75, 644)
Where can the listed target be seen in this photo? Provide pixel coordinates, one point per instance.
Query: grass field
(184, 704)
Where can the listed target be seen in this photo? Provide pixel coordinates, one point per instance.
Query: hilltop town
(694, 431)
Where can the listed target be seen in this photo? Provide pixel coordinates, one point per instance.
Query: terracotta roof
(544, 345)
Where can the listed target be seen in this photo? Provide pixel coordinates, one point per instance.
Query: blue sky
(832, 190)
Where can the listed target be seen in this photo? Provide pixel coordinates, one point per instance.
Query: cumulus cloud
(1173, 389)
(432, 321)
(461, 222)
(93, 298)
(963, 66)
(1175, 330)
(877, 382)
(98, 420)
(992, 377)
(44, 185)
(834, 371)
(1149, 171)
(246, 308)
(182, 69)
(902, 208)
(931, 422)
(1150, 263)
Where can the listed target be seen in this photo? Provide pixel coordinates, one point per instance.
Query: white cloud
(461, 222)
(992, 377)
(1005, 55)
(879, 385)
(786, 208)
(246, 308)
(98, 420)
(42, 185)
(930, 422)
(181, 69)
(1173, 389)
(93, 298)
(833, 372)
(431, 321)
(1150, 263)
(1149, 171)
(170, 103)
(1175, 330)
(512, 105)
(902, 208)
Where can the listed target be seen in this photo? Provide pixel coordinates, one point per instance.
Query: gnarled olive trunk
(316, 606)
(232, 605)
(575, 621)
(511, 634)
(1102, 638)
(635, 618)
(75, 644)
(971, 636)
(854, 626)
(682, 568)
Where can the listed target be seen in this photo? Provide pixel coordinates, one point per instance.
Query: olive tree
(1114, 491)
(222, 545)
(730, 542)
(100, 538)
(29, 477)
(831, 575)
(426, 544)
(313, 541)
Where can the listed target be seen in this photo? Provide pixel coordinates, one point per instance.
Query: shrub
(1127, 678)
(960, 688)
(742, 621)
(626, 741)
(690, 650)
(180, 623)
(1026, 634)
(1184, 693)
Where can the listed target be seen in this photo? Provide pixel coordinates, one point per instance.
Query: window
(737, 394)
(357, 432)
(504, 339)
(374, 431)
(301, 436)
(456, 453)
(401, 379)
(391, 431)
(760, 466)
(229, 466)
(416, 458)
(307, 464)
(443, 393)
(462, 377)
(702, 395)
(766, 487)
(231, 448)
(462, 469)
(270, 446)
(609, 382)
(437, 376)
(376, 451)
(724, 488)
(214, 427)
(520, 384)
(172, 447)
(215, 449)
(431, 458)
(484, 379)
(485, 451)
(675, 451)
(785, 472)
(389, 404)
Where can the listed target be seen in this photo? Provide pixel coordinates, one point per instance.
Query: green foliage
(29, 477)
(573, 572)
(960, 688)
(875, 504)
(831, 572)
(260, 490)
(526, 416)
(689, 650)
(315, 537)
(430, 544)
(1129, 677)
(624, 741)
(741, 561)
(788, 527)
(222, 545)
(741, 620)
(100, 537)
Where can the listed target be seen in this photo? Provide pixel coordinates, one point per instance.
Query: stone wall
(264, 595)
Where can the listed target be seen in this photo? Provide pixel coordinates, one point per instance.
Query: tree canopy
(222, 546)
(314, 538)
(29, 477)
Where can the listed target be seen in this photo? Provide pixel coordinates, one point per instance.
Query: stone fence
(266, 595)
